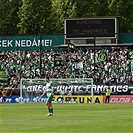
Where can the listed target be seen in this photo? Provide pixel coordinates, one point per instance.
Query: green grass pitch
(71, 118)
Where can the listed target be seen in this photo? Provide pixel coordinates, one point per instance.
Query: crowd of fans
(111, 65)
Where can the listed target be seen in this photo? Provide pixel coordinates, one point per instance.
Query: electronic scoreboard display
(85, 29)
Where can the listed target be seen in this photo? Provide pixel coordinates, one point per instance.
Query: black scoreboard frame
(87, 28)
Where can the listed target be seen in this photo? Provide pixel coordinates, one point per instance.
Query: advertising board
(121, 99)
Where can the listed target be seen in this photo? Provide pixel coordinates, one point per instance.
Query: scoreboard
(83, 30)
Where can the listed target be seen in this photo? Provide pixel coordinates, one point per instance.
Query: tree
(121, 8)
(33, 15)
(47, 16)
(8, 16)
(60, 10)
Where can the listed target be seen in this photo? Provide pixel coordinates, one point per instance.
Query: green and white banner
(132, 66)
(3, 76)
(99, 57)
(12, 43)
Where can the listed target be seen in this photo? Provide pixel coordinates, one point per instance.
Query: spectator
(107, 99)
(25, 64)
(69, 96)
(4, 93)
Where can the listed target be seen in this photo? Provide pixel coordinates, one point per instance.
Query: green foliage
(60, 10)
(47, 16)
(33, 15)
(8, 16)
(121, 8)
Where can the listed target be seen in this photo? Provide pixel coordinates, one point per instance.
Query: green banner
(100, 57)
(132, 66)
(12, 43)
(125, 38)
(130, 55)
(3, 76)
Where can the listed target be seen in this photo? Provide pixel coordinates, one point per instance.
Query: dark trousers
(107, 99)
(3, 99)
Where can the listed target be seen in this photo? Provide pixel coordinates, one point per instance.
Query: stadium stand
(113, 65)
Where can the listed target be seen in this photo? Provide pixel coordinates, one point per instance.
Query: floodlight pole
(40, 52)
(94, 57)
(94, 67)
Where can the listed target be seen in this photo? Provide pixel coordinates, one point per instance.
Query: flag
(71, 46)
(130, 87)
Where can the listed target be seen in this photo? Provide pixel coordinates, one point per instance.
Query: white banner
(79, 89)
